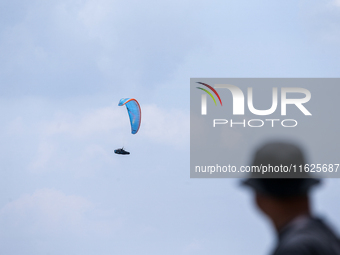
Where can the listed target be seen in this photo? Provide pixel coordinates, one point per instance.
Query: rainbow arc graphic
(209, 93)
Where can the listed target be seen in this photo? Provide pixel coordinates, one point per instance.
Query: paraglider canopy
(134, 112)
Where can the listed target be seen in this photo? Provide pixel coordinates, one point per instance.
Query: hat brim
(257, 185)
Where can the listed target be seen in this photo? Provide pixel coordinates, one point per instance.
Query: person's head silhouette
(286, 202)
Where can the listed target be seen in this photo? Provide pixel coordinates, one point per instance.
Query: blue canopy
(134, 112)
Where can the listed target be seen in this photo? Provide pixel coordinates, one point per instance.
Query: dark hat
(287, 185)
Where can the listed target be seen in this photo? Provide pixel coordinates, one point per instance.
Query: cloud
(49, 211)
(193, 247)
(336, 3)
(92, 46)
(166, 126)
(84, 142)
(91, 122)
(321, 22)
(44, 155)
(93, 15)
(15, 126)
(77, 141)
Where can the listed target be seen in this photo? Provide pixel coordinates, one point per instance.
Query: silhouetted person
(286, 203)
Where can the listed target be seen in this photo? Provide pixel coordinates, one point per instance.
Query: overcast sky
(64, 65)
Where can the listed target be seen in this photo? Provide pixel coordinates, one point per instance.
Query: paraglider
(122, 151)
(135, 116)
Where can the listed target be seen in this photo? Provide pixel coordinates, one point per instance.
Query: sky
(64, 66)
